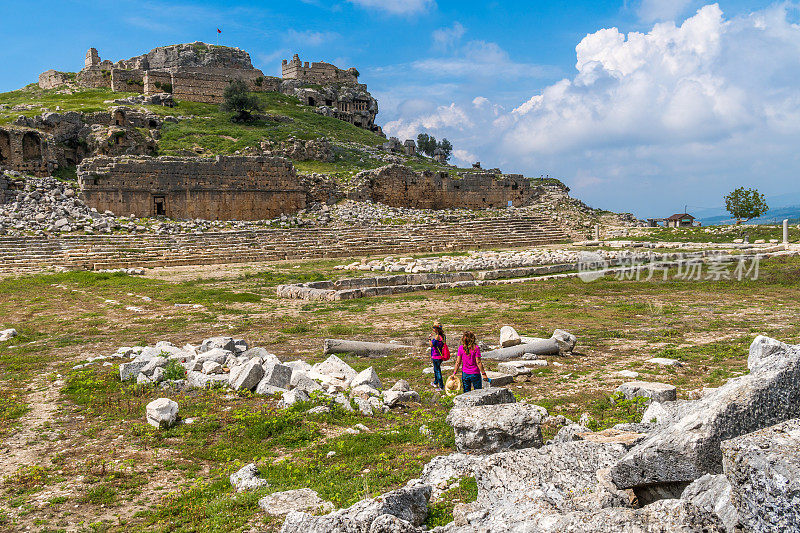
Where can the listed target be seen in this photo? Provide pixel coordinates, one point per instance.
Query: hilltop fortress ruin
(199, 72)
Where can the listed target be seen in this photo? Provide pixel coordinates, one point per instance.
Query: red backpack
(445, 352)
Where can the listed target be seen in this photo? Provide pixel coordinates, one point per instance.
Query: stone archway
(311, 101)
(5, 147)
(31, 147)
(119, 117)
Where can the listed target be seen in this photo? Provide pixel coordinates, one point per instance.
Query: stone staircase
(94, 252)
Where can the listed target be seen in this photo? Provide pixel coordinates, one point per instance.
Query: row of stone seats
(19, 254)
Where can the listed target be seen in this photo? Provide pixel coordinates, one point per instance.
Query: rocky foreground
(729, 461)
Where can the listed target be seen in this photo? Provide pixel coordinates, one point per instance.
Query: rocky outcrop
(712, 493)
(764, 473)
(690, 447)
(493, 428)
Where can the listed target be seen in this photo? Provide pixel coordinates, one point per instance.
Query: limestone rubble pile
(231, 363)
(726, 462)
(495, 260)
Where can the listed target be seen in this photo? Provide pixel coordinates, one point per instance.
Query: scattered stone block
(198, 380)
(223, 343)
(761, 349)
(509, 337)
(305, 500)
(131, 370)
(763, 468)
(247, 478)
(152, 364)
(289, 398)
(401, 385)
(493, 428)
(658, 392)
(334, 368)
(409, 504)
(162, 413)
(267, 358)
(498, 379)
(487, 396)
(367, 377)
(279, 376)
(690, 447)
(212, 367)
(664, 361)
(667, 412)
(7, 334)
(391, 398)
(216, 355)
(629, 374)
(247, 376)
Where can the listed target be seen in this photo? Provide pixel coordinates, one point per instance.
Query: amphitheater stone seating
(94, 252)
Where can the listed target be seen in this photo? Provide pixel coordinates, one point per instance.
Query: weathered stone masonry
(400, 186)
(27, 151)
(224, 188)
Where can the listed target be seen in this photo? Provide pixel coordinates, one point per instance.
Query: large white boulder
(367, 377)
(162, 413)
(246, 376)
(7, 334)
(247, 478)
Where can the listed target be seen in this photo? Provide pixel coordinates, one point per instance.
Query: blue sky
(638, 105)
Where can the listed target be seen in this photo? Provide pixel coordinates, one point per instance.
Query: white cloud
(396, 7)
(652, 10)
(311, 38)
(445, 38)
(651, 120)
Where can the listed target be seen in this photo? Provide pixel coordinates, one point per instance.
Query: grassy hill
(202, 129)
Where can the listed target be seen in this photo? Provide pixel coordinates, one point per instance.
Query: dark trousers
(437, 373)
(471, 381)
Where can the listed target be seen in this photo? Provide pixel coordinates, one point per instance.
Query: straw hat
(452, 386)
(437, 323)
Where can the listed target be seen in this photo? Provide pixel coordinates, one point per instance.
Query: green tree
(240, 101)
(446, 147)
(744, 204)
(426, 144)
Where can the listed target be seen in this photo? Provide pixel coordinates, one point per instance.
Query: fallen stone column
(538, 347)
(361, 348)
(560, 343)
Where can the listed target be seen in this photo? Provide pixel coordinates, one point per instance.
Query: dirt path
(33, 439)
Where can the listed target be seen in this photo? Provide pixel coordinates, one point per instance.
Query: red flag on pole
(219, 30)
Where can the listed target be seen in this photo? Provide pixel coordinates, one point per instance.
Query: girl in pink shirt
(469, 360)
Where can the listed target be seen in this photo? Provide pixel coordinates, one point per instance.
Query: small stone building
(224, 188)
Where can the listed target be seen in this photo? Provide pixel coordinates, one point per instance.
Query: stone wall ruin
(27, 151)
(400, 186)
(224, 188)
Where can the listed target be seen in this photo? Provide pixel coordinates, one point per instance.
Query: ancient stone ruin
(200, 72)
(242, 188)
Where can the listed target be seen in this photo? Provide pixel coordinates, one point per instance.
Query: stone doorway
(119, 118)
(159, 206)
(5, 146)
(31, 147)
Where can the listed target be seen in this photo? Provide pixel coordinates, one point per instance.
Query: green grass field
(101, 465)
